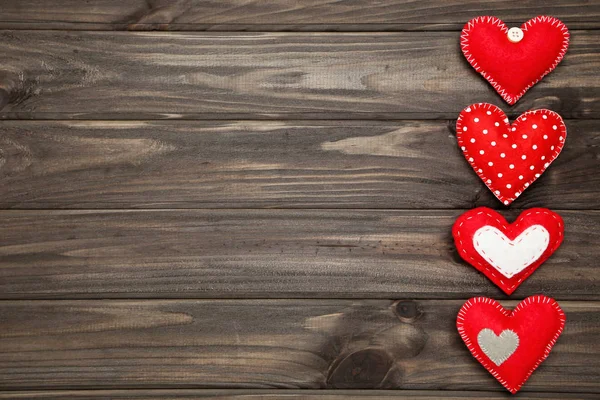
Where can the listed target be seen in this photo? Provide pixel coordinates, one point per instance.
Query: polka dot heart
(509, 158)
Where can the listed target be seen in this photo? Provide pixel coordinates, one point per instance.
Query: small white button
(515, 35)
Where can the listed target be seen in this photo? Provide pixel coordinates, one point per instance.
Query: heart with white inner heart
(507, 253)
(510, 344)
(507, 256)
(509, 158)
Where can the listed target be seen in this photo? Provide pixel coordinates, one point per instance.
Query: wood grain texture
(307, 344)
(269, 253)
(423, 75)
(264, 15)
(174, 212)
(245, 164)
(277, 394)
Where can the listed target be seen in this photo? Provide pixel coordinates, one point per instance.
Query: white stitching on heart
(512, 270)
(502, 223)
(460, 319)
(464, 44)
(476, 168)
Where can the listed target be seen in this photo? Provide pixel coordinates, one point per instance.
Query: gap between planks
(257, 394)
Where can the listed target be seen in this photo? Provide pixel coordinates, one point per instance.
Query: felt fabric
(498, 347)
(508, 253)
(509, 158)
(512, 68)
(510, 257)
(510, 344)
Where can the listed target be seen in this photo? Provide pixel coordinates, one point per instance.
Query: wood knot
(8, 85)
(407, 311)
(4, 98)
(364, 369)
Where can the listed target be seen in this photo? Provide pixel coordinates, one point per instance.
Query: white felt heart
(510, 257)
(498, 348)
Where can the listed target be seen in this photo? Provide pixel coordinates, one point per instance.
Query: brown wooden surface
(132, 75)
(284, 14)
(269, 253)
(290, 236)
(276, 394)
(289, 164)
(314, 344)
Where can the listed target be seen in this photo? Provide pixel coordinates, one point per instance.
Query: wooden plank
(112, 75)
(283, 15)
(267, 253)
(307, 344)
(257, 394)
(245, 164)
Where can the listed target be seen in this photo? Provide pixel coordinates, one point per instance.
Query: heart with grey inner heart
(498, 347)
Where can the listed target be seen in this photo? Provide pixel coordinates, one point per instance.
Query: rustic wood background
(252, 199)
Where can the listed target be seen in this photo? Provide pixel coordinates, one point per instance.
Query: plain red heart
(485, 240)
(512, 68)
(509, 158)
(537, 321)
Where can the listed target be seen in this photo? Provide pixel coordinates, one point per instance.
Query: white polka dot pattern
(508, 158)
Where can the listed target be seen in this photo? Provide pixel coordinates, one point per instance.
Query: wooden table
(253, 199)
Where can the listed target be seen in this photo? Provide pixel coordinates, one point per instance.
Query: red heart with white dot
(508, 158)
(514, 60)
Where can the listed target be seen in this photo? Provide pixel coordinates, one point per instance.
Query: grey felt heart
(498, 348)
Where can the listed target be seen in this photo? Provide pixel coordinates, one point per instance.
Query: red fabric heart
(508, 158)
(507, 253)
(537, 322)
(512, 68)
